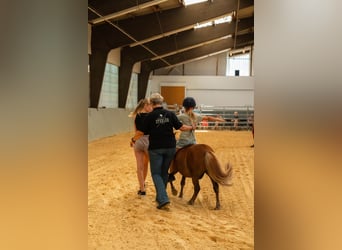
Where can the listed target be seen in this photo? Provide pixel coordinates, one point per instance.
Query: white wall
(212, 66)
(210, 90)
(107, 122)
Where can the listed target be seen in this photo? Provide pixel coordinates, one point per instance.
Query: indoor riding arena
(119, 219)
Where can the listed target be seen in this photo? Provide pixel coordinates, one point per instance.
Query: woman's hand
(220, 119)
(132, 142)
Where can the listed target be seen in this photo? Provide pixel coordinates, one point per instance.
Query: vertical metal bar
(236, 22)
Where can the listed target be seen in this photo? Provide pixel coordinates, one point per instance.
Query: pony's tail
(215, 171)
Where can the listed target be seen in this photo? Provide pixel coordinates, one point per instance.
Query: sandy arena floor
(119, 219)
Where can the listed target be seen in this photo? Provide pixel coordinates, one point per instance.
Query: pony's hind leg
(182, 187)
(216, 190)
(196, 190)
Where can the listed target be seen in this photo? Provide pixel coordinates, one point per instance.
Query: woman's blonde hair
(140, 106)
(191, 114)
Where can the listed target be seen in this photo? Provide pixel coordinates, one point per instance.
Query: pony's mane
(183, 148)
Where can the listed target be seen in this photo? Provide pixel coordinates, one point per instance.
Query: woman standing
(139, 142)
(159, 125)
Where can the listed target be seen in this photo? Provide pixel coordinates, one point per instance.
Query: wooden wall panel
(173, 94)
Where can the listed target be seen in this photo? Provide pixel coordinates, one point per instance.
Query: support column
(125, 73)
(97, 65)
(143, 82)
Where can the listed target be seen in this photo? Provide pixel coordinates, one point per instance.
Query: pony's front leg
(171, 179)
(216, 190)
(182, 187)
(196, 190)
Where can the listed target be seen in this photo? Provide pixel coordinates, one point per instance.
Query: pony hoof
(174, 192)
(190, 202)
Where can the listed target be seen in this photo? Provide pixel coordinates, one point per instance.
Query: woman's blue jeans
(160, 160)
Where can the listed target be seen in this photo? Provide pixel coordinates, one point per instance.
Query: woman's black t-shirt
(159, 125)
(139, 121)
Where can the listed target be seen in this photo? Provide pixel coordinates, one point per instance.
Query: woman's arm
(213, 119)
(187, 127)
(136, 137)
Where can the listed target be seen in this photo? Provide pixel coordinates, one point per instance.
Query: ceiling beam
(190, 47)
(184, 41)
(210, 37)
(126, 11)
(161, 23)
(197, 58)
(166, 34)
(202, 51)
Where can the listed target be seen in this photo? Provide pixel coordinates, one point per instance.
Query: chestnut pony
(194, 161)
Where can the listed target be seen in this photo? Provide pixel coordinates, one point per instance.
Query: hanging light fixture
(189, 2)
